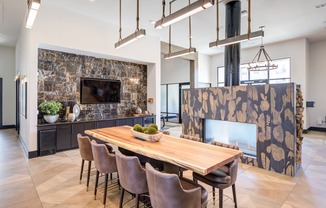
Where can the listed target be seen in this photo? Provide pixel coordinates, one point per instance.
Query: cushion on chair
(188, 185)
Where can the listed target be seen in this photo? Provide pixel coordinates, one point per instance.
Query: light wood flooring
(53, 181)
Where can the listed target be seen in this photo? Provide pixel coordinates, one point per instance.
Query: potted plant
(50, 110)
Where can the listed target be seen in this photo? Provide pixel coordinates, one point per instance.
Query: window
(280, 75)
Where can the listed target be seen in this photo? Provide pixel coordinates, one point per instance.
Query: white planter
(51, 118)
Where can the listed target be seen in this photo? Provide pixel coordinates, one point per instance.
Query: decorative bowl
(148, 137)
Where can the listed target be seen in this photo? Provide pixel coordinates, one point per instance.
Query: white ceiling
(283, 20)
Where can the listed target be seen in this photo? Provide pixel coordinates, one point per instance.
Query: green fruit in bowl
(145, 129)
(151, 130)
(154, 126)
(138, 128)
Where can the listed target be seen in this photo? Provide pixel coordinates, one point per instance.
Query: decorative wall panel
(270, 107)
(59, 79)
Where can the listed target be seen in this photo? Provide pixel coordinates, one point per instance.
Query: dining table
(196, 156)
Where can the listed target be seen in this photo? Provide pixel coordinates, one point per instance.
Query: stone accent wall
(271, 107)
(59, 79)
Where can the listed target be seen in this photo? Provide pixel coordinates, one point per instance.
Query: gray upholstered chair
(105, 163)
(193, 138)
(85, 150)
(132, 176)
(221, 178)
(170, 191)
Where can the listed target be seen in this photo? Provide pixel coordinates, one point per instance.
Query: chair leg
(81, 171)
(96, 183)
(234, 196)
(111, 176)
(105, 188)
(121, 197)
(220, 191)
(89, 173)
(180, 173)
(213, 194)
(137, 201)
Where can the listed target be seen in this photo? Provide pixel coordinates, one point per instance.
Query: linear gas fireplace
(243, 135)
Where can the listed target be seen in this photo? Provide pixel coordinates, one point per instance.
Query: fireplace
(243, 135)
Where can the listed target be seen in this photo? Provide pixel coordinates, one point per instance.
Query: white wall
(7, 73)
(296, 49)
(175, 70)
(60, 29)
(204, 68)
(317, 83)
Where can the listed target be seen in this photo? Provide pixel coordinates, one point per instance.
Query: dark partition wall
(270, 107)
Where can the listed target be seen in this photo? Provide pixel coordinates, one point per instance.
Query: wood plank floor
(53, 181)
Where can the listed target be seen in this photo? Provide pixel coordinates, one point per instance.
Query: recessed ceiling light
(152, 22)
(92, 0)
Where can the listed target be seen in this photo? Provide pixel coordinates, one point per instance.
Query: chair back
(165, 190)
(131, 175)
(85, 148)
(104, 161)
(194, 138)
(232, 168)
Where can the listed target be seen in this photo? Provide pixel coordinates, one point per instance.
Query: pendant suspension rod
(120, 30)
(249, 18)
(170, 28)
(137, 18)
(217, 22)
(190, 36)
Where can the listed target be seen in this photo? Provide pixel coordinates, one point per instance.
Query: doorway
(17, 106)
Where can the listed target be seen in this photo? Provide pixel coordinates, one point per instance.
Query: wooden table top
(196, 156)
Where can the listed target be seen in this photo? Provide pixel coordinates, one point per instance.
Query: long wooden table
(199, 157)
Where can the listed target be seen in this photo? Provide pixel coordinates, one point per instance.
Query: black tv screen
(94, 91)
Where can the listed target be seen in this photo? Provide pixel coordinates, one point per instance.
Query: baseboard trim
(32, 154)
(317, 129)
(306, 131)
(8, 127)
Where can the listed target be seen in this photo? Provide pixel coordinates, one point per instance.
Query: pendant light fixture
(33, 7)
(262, 61)
(139, 33)
(237, 39)
(182, 52)
(183, 13)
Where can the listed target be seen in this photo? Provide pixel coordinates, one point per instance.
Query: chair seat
(188, 184)
(217, 176)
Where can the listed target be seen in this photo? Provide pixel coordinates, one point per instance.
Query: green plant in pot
(50, 110)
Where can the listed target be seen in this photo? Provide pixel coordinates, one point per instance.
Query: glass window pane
(173, 98)
(244, 72)
(255, 75)
(163, 98)
(283, 70)
(278, 81)
(220, 84)
(220, 74)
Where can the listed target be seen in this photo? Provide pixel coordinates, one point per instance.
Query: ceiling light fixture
(237, 39)
(182, 52)
(139, 33)
(33, 7)
(183, 13)
(262, 61)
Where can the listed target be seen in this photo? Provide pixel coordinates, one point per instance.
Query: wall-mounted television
(95, 91)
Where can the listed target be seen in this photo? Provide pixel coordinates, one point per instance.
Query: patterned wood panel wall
(270, 107)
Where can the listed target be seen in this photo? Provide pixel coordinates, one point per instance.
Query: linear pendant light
(139, 33)
(237, 39)
(33, 7)
(182, 52)
(183, 13)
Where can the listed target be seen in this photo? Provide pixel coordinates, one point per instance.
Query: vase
(138, 110)
(51, 118)
(71, 117)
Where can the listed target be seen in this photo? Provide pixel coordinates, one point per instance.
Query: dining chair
(86, 153)
(132, 177)
(193, 138)
(105, 163)
(168, 190)
(221, 178)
